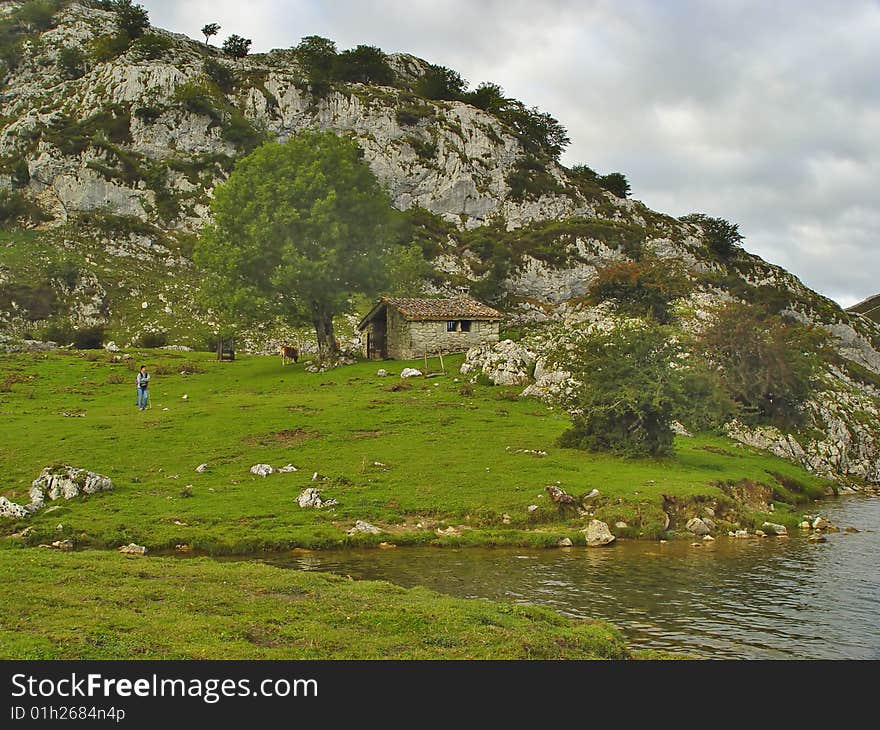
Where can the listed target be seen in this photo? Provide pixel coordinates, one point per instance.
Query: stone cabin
(405, 329)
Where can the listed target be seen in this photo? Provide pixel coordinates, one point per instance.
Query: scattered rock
(361, 526)
(532, 507)
(11, 509)
(559, 495)
(111, 347)
(621, 525)
(505, 519)
(287, 469)
(771, 528)
(503, 363)
(262, 470)
(804, 525)
(183, 548)
(133, 549)
(448, 532)
(665, 521)
(410, 373)
(820, 523)
(382, 373)
(709, 512)
(564, 542)
(65, 545)
(597, 534)
(310, 498)
(709, 522)
(740, 534)
(387, 545)
(697, 526)
(67, 482)
(679, 430)
(592, 495)
(708, 538)
(852, 530)
(184, 397)
(760, 533)
(201, 468)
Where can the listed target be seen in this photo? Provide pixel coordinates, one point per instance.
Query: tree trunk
(328, 347)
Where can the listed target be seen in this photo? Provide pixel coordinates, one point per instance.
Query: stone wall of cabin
(408, 340)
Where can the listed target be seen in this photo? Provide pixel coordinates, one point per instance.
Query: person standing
(143, 382)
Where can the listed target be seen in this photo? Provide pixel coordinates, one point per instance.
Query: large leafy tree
(297, 229)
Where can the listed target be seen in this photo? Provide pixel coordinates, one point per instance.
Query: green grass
(444, 459)
(90, 605)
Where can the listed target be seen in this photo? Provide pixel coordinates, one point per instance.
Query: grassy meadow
(411, 457)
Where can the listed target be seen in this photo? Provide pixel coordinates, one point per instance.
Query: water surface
(767, 598)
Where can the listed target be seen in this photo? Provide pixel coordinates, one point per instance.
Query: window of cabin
(465, 325)
(451, 326)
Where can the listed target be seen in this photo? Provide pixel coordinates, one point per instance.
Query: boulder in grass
(410, 373)
(366, 527)
(311, 499)
(133, 549)
(771, 528)
(262, 470)
(697, 526)
(65, 482)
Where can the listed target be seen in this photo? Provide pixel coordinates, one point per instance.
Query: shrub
(424, 149)
(439, 82)
(537, 131)
(644, 288)
(38, 301)
(131, 20)
(88, 338)
(220, 74)
(60, 332)
(72, 62)
(487, 96)
(15, 208)
(238, 130)
(615, 183)
(316, 56)
(198, 99)
(627, 387)
(412, 114)
(148, 113)
(236, 46)
(768, 364)
(107, 47)
(721, 236)
(363, 64)
(529, 179)
(152, 339)
(36, 15)
(151, 46)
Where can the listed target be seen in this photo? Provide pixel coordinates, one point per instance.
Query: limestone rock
(741, 534)
(366, 527)
(11, 509)
(262, 470)
(65, 482)
(202, 468)
(597, 534)
(310, 498)
(504, 363)
(697, 526)
(564, 542)
(820, 523)
(410, 373)
(772, 528)
(133, 549)
(382, 373)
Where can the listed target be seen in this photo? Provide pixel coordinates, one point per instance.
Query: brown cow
(289, 354)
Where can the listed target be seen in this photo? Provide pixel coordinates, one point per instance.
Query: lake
(771, 598)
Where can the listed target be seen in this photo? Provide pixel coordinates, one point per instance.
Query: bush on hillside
(721, 236)
(644, 288)
(768, 364)
(626, 391)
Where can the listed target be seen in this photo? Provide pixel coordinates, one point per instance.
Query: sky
(765, 113)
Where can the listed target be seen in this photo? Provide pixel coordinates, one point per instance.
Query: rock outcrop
(65, 482)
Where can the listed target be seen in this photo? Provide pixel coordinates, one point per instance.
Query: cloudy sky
(766, 113)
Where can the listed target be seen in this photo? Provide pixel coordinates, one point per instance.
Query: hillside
(110, 149)
(870, 308)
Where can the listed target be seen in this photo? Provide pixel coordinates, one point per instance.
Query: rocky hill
(869, 308)
(110, 149)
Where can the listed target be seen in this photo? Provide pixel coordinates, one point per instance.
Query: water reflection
(770, 598)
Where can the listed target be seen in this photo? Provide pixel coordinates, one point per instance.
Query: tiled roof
(419, 310)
